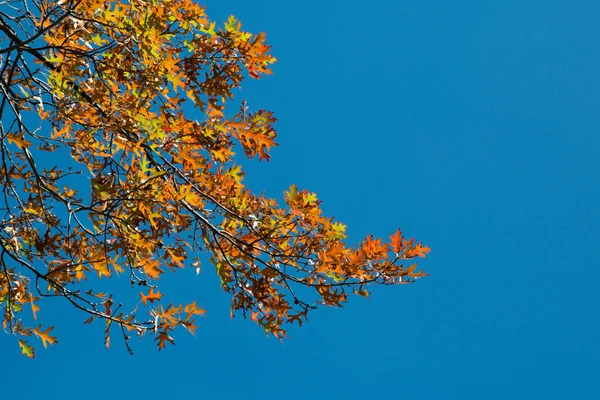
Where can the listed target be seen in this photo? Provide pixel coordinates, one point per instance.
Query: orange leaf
(193, 309)
(410, 271)
(18, 140)
(169, 315)
(162, 338)
(397, 241)
(418, 251)
(151, 297)
(45, 335)
(151, 268)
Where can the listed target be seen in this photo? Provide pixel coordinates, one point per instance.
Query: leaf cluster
(112, 87)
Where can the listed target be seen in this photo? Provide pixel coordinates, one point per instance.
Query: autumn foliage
(119, 130)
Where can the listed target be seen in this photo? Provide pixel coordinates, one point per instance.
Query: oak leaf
(26, 349)
(45, 335)
(152, 296)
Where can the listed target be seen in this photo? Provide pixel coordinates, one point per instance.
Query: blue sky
(475, 127)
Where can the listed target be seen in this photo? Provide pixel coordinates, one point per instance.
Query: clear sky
(473, 126)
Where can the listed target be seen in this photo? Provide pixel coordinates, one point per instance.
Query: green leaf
(339, 230)
(231, 24)
(222, 272)
(236, 173)
(310, 199)
(97, 40)
(26, 349)
(210, 30)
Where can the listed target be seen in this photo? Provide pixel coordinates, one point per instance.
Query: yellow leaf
(18, 140)
(33, 211)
